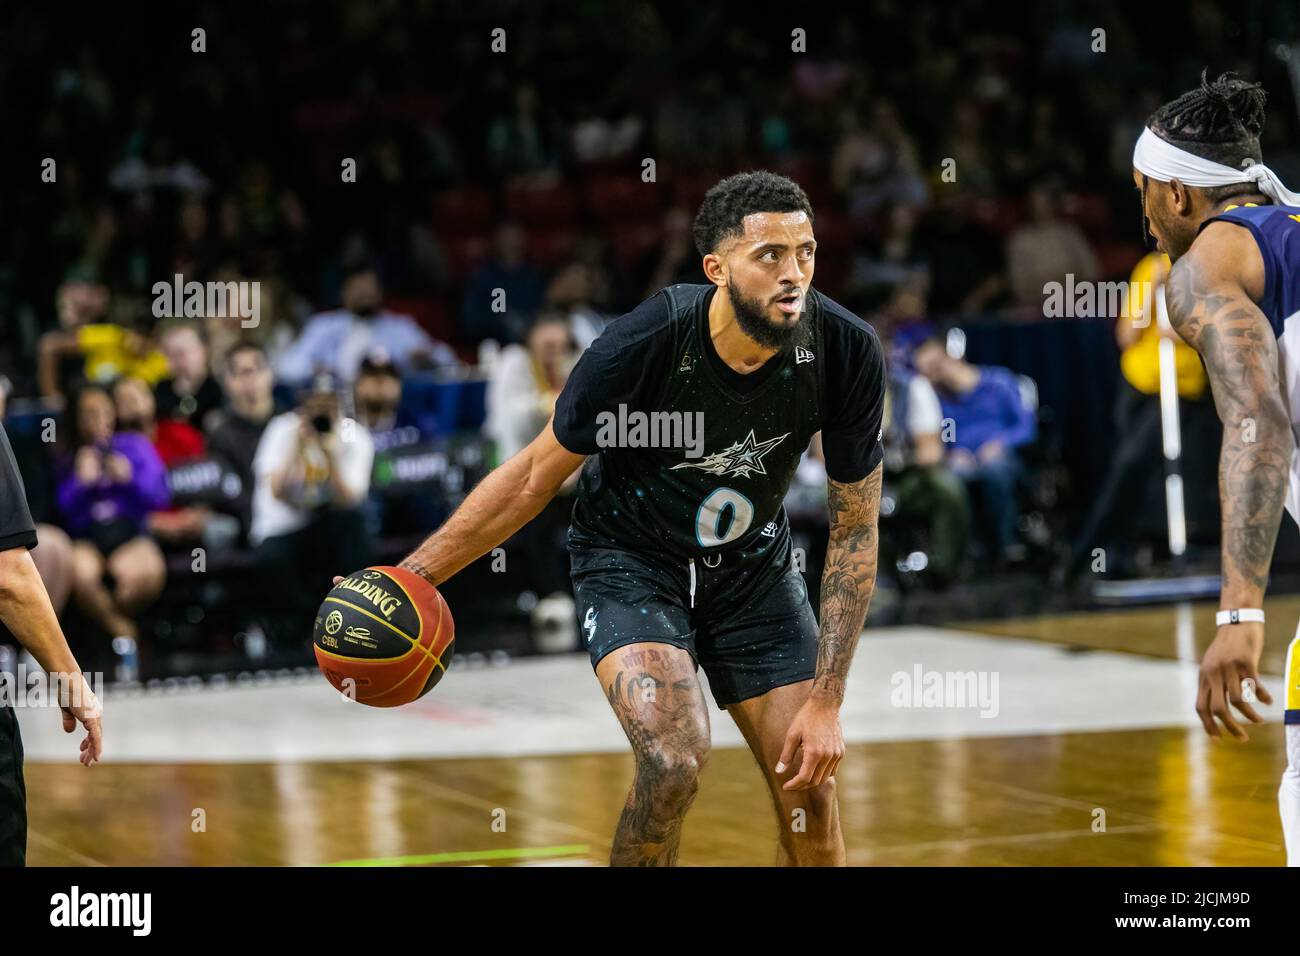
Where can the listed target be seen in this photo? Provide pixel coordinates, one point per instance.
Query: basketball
(384, 636)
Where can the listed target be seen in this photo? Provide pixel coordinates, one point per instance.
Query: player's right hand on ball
(1231, 661)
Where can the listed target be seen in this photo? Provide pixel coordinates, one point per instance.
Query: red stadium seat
(619, 198)
(1001, 215)
(813, 179)
(1091, 211)
(689, 187)
(834, 234)
(1117, 259)
(464, 251)
(466, 209)
(549, 247)
(555, 205)
(833, 228)
(629, 241)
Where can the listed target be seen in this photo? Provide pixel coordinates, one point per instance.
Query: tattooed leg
(658, 700)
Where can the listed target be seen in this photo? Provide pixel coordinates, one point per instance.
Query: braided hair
(1220, 121)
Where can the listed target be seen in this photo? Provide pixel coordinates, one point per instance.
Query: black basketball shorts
(742, 615)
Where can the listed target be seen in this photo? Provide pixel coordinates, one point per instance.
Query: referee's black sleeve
(16, 527)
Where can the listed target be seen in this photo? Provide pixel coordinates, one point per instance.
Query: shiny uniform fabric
(695, 551)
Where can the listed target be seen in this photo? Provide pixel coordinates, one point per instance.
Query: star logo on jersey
(744, 458)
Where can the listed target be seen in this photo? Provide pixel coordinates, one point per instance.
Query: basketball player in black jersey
(691, 414)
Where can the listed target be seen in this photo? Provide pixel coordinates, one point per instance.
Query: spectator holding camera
(311, 475)
(111, 482)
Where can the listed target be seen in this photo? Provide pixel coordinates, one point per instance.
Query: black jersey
(689, 457)
(16, 528)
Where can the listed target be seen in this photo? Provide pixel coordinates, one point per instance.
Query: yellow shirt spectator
(1139, 361)
(112, 351)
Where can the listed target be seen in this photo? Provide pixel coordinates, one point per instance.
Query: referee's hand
(88, 713)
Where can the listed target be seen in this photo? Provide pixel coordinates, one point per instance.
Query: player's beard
(752, 316)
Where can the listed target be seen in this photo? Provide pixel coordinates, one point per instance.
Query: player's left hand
(815, 735)
(1231, 660)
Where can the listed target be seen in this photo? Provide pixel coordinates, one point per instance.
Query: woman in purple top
(108, 487)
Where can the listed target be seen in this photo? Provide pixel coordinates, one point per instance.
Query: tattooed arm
(513, 494)
(848, 579)
(847, 583)
(1210, 300)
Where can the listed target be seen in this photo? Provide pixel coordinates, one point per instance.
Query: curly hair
(726, 205)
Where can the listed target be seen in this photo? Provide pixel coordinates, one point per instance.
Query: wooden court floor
(1168, 798)
(1134, 797)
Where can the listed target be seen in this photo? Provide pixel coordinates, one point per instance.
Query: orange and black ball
(384, 636)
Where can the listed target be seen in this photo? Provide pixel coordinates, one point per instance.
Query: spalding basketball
(384, 636)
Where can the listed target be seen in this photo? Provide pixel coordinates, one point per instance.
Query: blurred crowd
(198, 441)
(501, 213)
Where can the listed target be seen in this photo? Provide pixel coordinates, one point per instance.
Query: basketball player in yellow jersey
(1232, 231)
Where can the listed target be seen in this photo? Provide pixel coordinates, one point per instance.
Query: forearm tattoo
(848, 579)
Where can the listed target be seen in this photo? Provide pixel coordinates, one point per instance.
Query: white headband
(1163, 161)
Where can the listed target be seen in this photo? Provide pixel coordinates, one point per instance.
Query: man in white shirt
(924, 489)
(311, 475)
(337, 341)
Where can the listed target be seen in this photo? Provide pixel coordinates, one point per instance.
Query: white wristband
(1243, 615)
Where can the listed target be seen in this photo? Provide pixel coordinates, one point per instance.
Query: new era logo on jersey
(769, 530)
(744, 458)
(802, 355)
